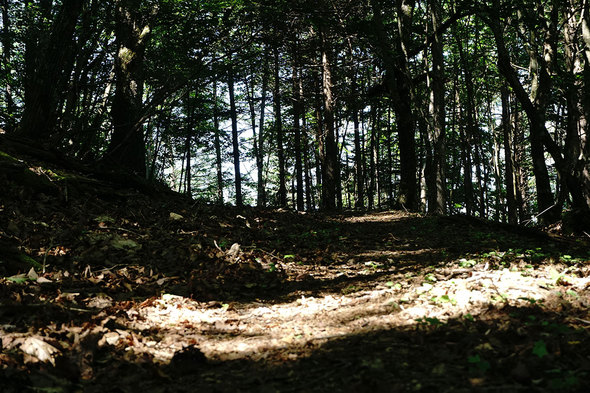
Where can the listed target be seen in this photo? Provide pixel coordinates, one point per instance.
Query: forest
(438, 106)
(294, 196)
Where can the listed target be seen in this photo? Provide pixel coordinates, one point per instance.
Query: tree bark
(510, 178)
(297, 114)
(548, 211)
(259, 144)
(235, 138)
(282, 196)
(330, 167)
(398, 83)
(49, 60)
(437, 176)
(217, 143)
(132, 32)
(7, 43)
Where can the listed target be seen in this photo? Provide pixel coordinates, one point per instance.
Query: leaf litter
(132, 292)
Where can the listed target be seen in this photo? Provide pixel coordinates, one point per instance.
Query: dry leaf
(32, 275)
(234, 251)
(175, 217)
(39, 349)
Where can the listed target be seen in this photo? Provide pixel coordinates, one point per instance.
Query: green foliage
(540, 349)
(478, 364)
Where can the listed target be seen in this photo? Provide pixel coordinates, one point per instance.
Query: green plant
(444, 299)
(427, 321)
(478, 364)
(350, 289)
(467, 262)
(430, 277)
(540, 349)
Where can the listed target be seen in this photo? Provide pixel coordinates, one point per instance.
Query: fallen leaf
(32, 275)
(18, 279)
(234, 251)
(175, 216)
(39, 349)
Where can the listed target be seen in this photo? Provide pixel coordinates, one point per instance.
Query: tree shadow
(505, 349)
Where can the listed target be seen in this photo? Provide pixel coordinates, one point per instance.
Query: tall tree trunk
(309, 203)
(359, 200)
(282, 197)
(408, 195)
(577, 145)
(519, 158)
(468, 135)
(132, 31)
(217, 143)
(389, 159)
(187, 171)
(499, 213)
(259, 145)
(235, 138)
(49, 58)
(330, 160)
(190, 125)
(7, 43)
(319, 151)
(297, 114)
(539, 136)
(510, 177)
(372, 159)
(398, 82)
(375, 152)
(437, 176)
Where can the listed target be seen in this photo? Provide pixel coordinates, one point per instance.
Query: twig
(121, 229)
(582, 320)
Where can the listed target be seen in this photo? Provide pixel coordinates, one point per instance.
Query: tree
(394, 54)
(132, 33)
(436, 178)
(49, 56)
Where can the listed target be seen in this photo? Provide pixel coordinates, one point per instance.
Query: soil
(105, 288)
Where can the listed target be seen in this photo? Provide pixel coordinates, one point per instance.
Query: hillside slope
(105, 287)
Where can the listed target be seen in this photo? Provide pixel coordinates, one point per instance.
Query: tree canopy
(428, 105)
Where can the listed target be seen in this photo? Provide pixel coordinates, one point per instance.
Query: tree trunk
(510, 178)
(372, 157)
(217, 143)
(235, 138)
(389, 159)
(127, 146)
(49, 60)
(282, 197)
(307, 169)
(330, 160)
(297, 114)
(577, 146)
(470, 130)
(259, 145)
(539, 136)
(7, 42)
(437, 176)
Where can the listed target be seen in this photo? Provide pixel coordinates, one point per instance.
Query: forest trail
(112, 290)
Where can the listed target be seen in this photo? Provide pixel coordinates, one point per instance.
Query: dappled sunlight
(258, 294)
(289, 330)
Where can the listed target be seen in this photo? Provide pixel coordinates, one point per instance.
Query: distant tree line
(442, 106)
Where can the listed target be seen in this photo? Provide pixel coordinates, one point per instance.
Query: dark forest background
(443, 106)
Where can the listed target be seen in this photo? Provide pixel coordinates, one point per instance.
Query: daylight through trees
(427, 105)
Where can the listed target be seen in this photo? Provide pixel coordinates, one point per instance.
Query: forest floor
(108, 289)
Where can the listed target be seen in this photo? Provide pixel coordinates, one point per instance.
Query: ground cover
(107, 288)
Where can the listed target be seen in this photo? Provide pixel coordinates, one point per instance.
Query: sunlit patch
(257, 331)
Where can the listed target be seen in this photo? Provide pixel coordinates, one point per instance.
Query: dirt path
(277, 301)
